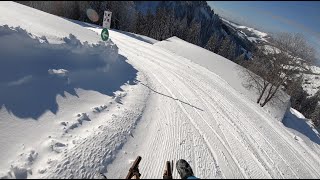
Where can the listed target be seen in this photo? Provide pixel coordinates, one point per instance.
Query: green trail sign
(104, 34)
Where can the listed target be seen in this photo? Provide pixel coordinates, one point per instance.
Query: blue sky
(275, 16)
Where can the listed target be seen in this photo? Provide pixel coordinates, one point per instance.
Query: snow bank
(301, 126)
(42, 86)
(40, 71)
(226, 69)
(43, 24)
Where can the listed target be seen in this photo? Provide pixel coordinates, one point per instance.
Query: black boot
(184, 169)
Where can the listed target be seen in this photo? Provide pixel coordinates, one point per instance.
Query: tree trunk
(261, 94)
(268, 95)
(271, 96)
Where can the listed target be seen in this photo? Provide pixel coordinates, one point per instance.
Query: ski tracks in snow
(206, 122)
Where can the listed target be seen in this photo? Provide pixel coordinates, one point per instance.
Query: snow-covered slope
(60, 94)
(249, 33)
(226, 69)
(194, 114)
(173, 109)
(302, 128)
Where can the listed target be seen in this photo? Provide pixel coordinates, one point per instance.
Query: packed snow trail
(195, 115)
(176, 109)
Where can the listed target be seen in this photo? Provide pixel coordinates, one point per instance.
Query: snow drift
(33, 72)
(50, 92)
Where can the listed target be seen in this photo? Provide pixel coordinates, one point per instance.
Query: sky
(275, 16)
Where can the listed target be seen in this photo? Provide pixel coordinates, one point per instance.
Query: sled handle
(134, 171)
(168, 171)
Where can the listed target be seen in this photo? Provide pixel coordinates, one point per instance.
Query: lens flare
(92, 15)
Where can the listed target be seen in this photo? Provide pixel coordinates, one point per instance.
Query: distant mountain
(249, 33)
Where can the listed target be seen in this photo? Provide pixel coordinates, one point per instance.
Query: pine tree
(224, 48)
(316, 117)
(309, 105)
(213, 43)
(180, 30)
(150, 23)
(232, 51)
(170, 23)
(161, 24)
(240, 59)
(194, 33)
(127, 16)
(141, 24)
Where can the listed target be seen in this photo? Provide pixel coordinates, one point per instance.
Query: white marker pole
(107, 19)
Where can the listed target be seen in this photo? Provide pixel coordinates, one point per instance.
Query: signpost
(104, 34)
(107, 19)
(106, 25)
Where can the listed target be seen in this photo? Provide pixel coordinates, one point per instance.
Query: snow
(139, 37)
(80, 108)
(43, 24)
(256, 32)
(297, 113)
(252, 39)
(241, 34)
(47, 78)
(259, 35)
(205, 121)
(302, 128)
(225, 69)
(271, 49)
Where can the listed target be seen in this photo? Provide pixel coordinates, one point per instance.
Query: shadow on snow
(300, 125)
(33, 72)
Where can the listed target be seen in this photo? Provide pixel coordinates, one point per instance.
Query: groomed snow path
(195, 115)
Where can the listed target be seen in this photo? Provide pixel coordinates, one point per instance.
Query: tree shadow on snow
(292, 121)
(132, 35)
(83, 24)
(33, 72)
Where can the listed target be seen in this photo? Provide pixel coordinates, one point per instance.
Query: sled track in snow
(193, 121)
(211, 128)
(240, 142)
